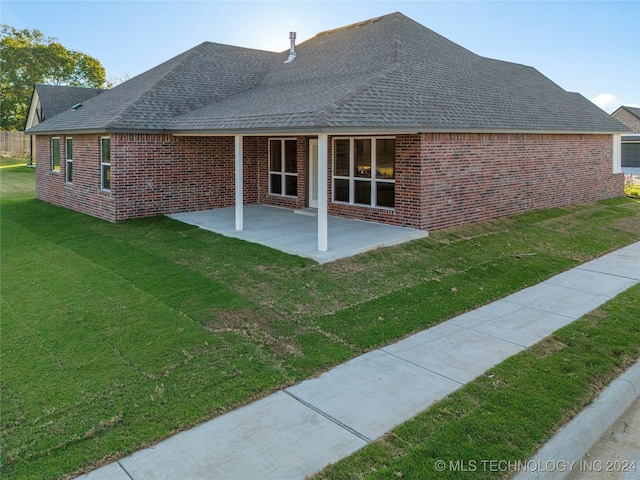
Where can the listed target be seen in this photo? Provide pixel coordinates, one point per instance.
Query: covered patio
(297, 233)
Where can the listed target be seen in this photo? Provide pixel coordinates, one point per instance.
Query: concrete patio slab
(284, 230)
(453, 351)
(374, 392)
(511, 322)
(274, 438)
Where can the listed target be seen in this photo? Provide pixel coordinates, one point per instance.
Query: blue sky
(590, 47)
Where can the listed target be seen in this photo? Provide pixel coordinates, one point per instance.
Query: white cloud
(609, 103)
(606, 101)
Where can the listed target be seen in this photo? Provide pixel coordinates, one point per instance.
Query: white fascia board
(352, 131)
(69, 132)
(32, 119)
(292, 132)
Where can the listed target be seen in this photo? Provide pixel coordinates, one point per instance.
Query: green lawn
(115, 336)
(12, 162)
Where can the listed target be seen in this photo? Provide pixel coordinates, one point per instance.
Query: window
(105, 163)
(283, 167)
(69, 159)
(55, 155)
(364, 171)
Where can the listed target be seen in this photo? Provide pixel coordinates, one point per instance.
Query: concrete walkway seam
(575, 439)
(329, 417)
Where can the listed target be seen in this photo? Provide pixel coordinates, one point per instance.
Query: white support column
(323, 233)
(617, 153)
(238, 169)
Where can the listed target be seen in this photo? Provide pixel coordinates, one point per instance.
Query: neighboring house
(630, 116)
(50, 100)
(383, 120)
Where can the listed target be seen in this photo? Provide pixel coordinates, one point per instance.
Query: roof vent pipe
(292, 50)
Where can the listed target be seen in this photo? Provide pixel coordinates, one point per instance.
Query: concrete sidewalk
(299, 430)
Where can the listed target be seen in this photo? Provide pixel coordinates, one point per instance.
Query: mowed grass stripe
(106, 343)
(173, 284)
(102, 305)
(419, 307)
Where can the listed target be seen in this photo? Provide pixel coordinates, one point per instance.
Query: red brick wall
(84, 194)
(441, 179)
(150, 175)
(473, 177)
(252, 148)
(160, 174)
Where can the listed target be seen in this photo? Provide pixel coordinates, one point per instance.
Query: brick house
(384, 121)
(630, 116)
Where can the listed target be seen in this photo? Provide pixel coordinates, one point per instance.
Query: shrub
(631, 186)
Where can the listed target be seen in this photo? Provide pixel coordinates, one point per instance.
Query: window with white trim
(283, 167)
(69, 159)
(105, 163)
(364, 171)
(55, 154)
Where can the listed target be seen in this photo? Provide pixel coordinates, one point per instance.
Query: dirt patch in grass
(256, 327)
(629, 224)
(234, 320)
(477, 230)
(547, 347)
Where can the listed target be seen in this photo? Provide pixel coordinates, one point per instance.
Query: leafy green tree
(28, 57)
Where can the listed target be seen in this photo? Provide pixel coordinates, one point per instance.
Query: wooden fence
(15, 144)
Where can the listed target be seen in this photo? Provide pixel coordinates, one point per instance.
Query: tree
(28, 57)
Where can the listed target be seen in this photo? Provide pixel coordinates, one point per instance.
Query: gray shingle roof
(385, 73)
(55, 99)
(632, 110)
(204, 74)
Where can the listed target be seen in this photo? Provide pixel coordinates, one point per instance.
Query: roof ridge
(322, 115)
(46, 86)
(186, 56)
(356, 24)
